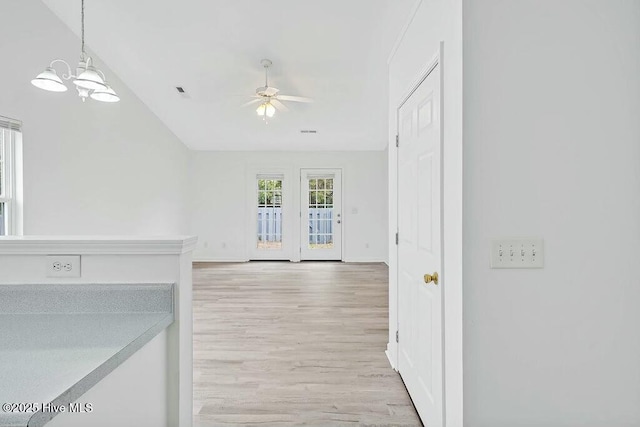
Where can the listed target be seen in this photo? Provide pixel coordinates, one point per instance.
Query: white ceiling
(334, 51)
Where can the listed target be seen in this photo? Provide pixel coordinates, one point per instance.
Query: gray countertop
(57, 341)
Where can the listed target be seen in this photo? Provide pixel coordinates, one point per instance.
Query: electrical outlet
(63, 266)
(517, 253)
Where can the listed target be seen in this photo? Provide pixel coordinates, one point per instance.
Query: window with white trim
(9, 135)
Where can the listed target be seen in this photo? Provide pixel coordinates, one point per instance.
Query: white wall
(219, 197)
(432, 22)
(552, 149)
(91, 168)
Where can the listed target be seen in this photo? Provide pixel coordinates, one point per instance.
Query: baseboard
(219, 260)
(363, 260)
(386, 352)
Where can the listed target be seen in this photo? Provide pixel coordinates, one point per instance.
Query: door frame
(342, 208)
(452, 398)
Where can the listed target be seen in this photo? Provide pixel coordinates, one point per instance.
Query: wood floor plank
(294, 344)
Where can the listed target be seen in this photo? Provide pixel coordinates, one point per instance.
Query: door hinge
(397, 140)
(397, 336)
(397, 238)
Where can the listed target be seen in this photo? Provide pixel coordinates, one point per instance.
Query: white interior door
(420, 329)
(320, 214)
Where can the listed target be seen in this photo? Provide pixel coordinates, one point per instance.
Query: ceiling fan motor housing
(266, 91)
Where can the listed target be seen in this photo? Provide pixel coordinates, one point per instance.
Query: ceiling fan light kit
(89, 81)
(269, 97)
(266, 109)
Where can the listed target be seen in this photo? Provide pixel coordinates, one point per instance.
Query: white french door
(420, 326)
(321, 214)
(271, 235)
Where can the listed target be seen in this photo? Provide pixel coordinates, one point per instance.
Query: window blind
(10, 124)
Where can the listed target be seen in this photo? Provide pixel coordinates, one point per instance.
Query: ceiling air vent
(308, 131)
(183, 93)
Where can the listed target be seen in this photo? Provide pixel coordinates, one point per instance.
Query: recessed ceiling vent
(308, 131)
(183, 93)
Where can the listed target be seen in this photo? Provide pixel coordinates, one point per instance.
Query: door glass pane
(269, 225)
(320, 213)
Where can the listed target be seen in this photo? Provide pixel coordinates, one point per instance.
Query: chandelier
(88, 80)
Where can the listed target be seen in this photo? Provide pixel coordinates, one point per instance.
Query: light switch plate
(518, 252)
(63, 266)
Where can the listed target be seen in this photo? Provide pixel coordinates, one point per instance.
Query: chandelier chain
(82, 27)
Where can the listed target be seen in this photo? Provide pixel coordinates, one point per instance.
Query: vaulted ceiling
(334, 51)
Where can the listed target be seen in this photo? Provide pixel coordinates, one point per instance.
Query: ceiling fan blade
(254, 101)
(294, 98)
(279, 105)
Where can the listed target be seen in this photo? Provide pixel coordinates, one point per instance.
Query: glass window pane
(321, 221)
(321, 197)
(6, 137)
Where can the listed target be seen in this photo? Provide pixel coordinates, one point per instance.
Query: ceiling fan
(269, 97)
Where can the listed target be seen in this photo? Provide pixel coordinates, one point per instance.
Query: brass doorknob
(428, 278)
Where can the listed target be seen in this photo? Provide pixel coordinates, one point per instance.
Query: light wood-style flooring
(293, 344)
